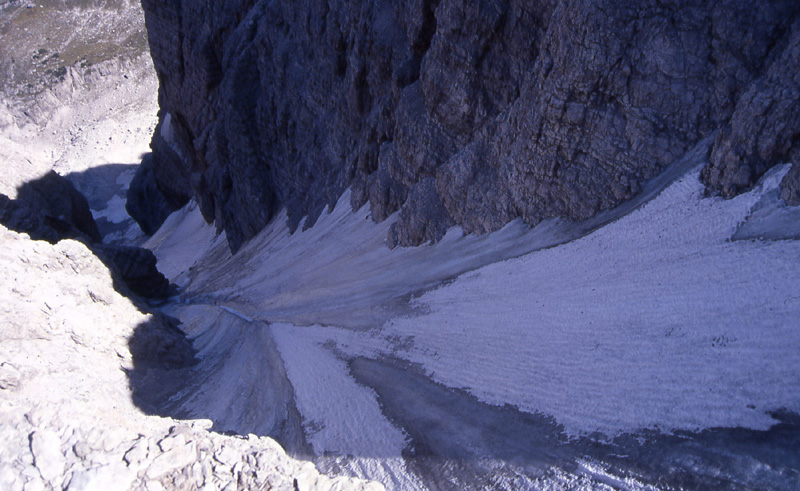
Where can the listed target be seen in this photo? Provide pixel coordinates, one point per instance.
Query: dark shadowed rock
(160, 344)
(145, 202)
(463, 112)
(424, 218)
(52, 209)
(790, 186)
(137, 267)
(60, 204)
(16, 216)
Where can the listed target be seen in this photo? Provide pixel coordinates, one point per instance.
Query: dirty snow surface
(654, 350)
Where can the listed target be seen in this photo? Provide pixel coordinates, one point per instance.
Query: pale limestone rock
(176, 458)
(102, 478)
(45, 446)
(137, 453)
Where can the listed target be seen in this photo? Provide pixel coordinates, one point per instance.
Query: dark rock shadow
(60, 206)
(50, 208)
(240, 385)
(162, 360)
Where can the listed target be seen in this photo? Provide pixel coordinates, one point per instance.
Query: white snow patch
(657, 320)
(336, 408)
(114, 212)
(168, 134)
(341, 418)
(182, 240)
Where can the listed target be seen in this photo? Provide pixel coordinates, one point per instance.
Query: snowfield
(656, 322)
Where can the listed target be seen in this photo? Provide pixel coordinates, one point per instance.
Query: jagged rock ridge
(468, 113)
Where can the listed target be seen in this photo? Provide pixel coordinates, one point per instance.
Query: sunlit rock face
(462, 112)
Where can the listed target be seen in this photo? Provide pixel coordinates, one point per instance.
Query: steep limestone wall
(463, 112)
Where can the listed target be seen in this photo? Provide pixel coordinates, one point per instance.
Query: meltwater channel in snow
(515, 359)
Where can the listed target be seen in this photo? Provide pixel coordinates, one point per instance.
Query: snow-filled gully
(643, 349)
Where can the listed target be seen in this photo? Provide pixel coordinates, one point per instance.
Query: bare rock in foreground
(66, 416)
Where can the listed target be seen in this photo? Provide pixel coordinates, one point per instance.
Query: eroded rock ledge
(461, 112)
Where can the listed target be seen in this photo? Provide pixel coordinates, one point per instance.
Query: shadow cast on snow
(454, 438)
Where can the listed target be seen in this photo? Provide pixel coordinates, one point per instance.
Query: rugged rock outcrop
(69, 347)
(764, 129)
(51, 209)
(459, 112)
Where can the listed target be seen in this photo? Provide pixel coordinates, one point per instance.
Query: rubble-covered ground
(78, 95)
(67, 419)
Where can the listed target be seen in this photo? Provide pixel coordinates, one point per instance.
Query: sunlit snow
(655, 320)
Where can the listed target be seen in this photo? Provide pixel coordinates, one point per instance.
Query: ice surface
(182, 240)
(346, 420)
(657, 320)
(651, 318)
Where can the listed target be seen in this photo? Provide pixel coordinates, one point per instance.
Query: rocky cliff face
(463, 112)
